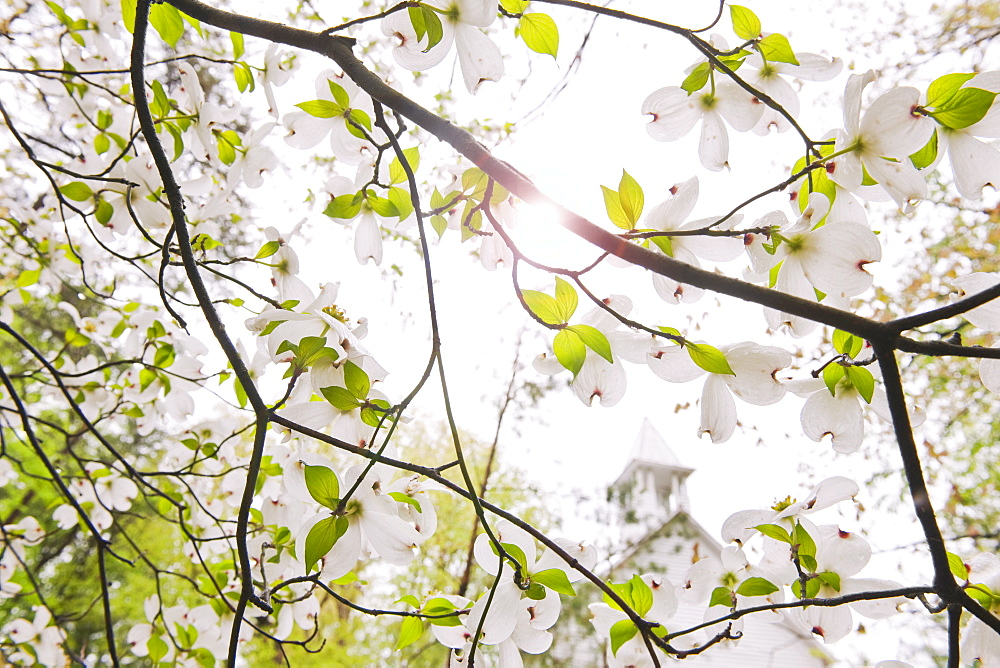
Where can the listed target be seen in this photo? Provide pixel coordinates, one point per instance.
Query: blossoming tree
(219, 446)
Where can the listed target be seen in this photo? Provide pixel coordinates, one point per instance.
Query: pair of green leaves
(340, 106)
(755, 586)
(803, 549)
(355, 395)
(572, 341)
(836, 374)
(624, 205)
(308, 351)
(324, 488)
(438, 611)
(638, 596)
(956, 107)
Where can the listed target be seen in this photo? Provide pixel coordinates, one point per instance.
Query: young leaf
(426, 22)
(966, 107)
(267, 250)
(406, 498)
(756, 587)
(958, 567)
(340, 398)
(340, 95)
(566, 299)
(78, 191)
(570, 350)
(356, 380)
(926, 156)
(721, 596)
(543, 306)
(238, 47)
(746, 25)
(774, 531)
(709, 358)
(830, 579)
(409, 632)
(862, 380)
(167, 22)
(594, 339)
(805, 542)
(344, 206)
(612, 202)
(832, 374)
(323, 485)
(556, 580)
(621, 633)
(539, 33)
(642, 595)
(321, 108)
(396, 172)
(944, 88)
(846, 343)
(631, 197)
(321, 539)
(698, 78)
(775, 48)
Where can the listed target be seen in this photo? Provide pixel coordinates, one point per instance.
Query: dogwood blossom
(769, 78)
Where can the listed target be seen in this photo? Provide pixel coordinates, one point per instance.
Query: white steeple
(652, 487)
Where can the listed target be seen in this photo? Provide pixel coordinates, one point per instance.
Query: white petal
(478, 56)
(875, 609)
(839, 417)
(393, 539)
(713, 149)
(756, 367)
(669, 215)
(673, 112)
(891, 129)
(900, 179)
(718, 410)
(986, 316)
(368, 240)
(835, 258)
(599, 379)
(975, 164)
(673, 364)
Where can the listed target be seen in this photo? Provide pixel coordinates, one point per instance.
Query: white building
(660, 536)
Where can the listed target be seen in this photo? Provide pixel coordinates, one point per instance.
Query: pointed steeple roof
(651, 451)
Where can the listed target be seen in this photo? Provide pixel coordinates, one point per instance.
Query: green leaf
(340, 95)
(862, 380)
(966, 107)
(812, 588)
(556, 580)
(410, 600)
(400, 198)
(515, 552)
(28, 277)
(775, 48)
(323, 485)
(102, 143)
(928, 154)
(958, 567)
(156, 646)
(356, 380)
(774, 531)
(321, 539)
(381, 205)
(410, 631)
(721, 596)
(406, 498)
(621, 633)
(164, 356)
(514, 6)
(570, 350)
(832, 374)
(267, 250)
(566, 299)
(341, 398)
(756, 587)
(321, 108)
(78, 191)
(426, 22)
(642, 595)
(244, 77)
(167, 22)
(358, 118)
(535, 591)
(846, 343)
(396, 172)
(128, 14)
(543, 306)
(344, 206)
(746, 25)
(612, 202)
(698, 78)
(944, 88)
(805, 542)
(594, 339)
(238, 48)
(830, 579)
(539, 33)
(631, 198)
(709, 358)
